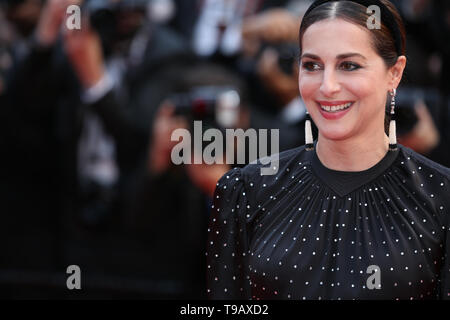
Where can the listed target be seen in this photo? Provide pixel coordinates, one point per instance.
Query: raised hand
(83, 47)
(52, 19)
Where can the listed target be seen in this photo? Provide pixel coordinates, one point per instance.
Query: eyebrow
(339, 57)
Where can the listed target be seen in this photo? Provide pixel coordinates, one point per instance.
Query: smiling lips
(333, 110)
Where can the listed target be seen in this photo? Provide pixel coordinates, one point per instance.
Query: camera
(287, 53)
(215, 106)
(115, 21)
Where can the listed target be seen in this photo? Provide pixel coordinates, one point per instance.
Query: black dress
(309, 232)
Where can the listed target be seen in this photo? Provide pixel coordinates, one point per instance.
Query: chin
(335, 134)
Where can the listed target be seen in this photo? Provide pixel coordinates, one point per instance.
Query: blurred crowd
(87, 115)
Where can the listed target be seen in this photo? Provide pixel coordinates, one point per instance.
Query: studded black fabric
(309, 232)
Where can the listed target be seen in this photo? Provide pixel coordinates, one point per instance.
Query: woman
(352, 215)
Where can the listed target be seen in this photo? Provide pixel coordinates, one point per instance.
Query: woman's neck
(355, 154)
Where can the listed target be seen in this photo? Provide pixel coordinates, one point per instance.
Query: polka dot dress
(309, 232)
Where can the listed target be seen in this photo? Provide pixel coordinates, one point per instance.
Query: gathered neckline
(344, 182)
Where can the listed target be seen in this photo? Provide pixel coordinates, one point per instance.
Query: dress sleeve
(227, 247)
(445, 269)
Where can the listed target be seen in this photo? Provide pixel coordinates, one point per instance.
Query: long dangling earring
(308, 133)
(392, 124)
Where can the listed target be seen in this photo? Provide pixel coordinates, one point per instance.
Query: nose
(329, 86)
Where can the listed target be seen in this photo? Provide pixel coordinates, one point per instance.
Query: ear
(396, 72)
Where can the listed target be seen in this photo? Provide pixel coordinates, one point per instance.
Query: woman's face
(341, 70)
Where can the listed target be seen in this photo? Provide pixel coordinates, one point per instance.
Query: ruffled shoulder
(227, 247)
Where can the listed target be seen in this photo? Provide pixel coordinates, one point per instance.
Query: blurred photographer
(416, 127)
(169, 204)
(91, 95)
(22, 16)
(270, 62)
(270, 38)
(126, 66)
(207, 93)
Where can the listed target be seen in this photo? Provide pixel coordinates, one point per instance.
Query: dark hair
(383, 39)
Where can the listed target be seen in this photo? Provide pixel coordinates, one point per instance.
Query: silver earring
(392, 124)
(308, 133)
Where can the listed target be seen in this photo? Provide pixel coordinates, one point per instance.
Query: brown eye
(349, 66)
(311, 66)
